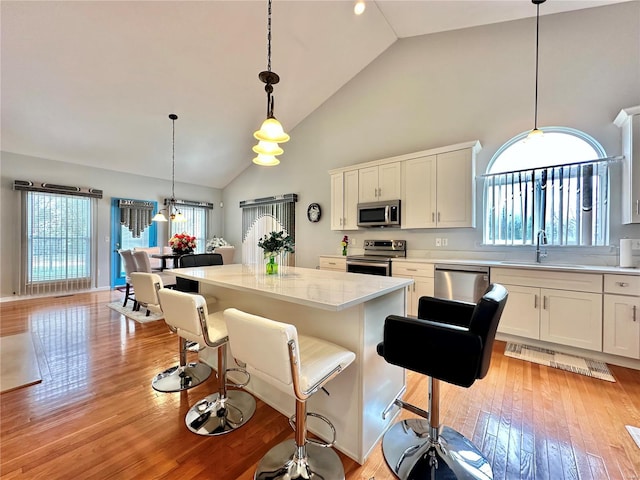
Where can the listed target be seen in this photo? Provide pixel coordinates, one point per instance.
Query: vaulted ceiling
(93, 83)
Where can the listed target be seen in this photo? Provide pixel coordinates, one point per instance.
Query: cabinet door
(456, 189)
(521, 315)
(419, 193)
(337, 201)
(389, 181)
(571, 318)
(368, 184)
(410, 306)
(350, 204)
(621, 326)
(423, 287)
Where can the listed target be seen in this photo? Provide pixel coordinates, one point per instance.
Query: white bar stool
(296, 364)
(224, 411)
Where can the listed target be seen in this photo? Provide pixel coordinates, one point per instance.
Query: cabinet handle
(638, 207)
(544, 302)
(535, 301)
(622, 284)
(634, 312)
(433, 217)
(380, 191)
(438, 216)
(412, 269)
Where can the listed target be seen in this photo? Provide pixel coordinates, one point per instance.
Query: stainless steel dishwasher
(460, 282)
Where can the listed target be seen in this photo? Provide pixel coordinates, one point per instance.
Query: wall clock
(313, 212)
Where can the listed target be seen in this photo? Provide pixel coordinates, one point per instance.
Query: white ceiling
(93, 83)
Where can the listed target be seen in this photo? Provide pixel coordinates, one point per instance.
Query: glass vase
(344, 251)
(272, 266)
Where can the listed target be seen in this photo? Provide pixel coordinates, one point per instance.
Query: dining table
(167, 256)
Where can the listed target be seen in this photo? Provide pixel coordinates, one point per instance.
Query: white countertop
(328, 290)
(536, 266)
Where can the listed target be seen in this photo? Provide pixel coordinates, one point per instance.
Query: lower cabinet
(570, 315)
(333, 263)
(571, 318)
(621, 332)
(422, 276)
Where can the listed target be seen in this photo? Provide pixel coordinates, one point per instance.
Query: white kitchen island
(348, 309)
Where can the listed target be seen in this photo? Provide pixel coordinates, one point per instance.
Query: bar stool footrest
(292, 424)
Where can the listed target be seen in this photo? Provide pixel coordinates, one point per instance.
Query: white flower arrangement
(214, 242)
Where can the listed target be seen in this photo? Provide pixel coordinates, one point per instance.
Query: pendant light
(271, 132)
(174, 214)
(536, 133)
(359, 7)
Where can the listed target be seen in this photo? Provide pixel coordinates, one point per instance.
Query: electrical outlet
(635, 244)
(445, 242)
(353, 242)
(438, 242)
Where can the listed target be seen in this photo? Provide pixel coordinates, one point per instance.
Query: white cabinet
(571, 318)
(333, 263)
(521, 315)
(422, 275)
(621, 316)
(570, 313)
(629, 121)
(379, 182)
(344, 200)
(439, 190)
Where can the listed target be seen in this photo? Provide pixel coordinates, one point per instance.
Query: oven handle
(365, 263)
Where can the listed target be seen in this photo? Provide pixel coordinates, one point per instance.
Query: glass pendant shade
(268, 148)
(271, 131)
(266, 160)
(159, 217)
(178, 218)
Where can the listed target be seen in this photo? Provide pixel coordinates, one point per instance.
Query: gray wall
(114, 184)
(446, 88)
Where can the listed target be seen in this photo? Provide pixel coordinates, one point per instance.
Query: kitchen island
(345, 308)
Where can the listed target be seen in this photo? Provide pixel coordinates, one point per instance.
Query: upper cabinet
(344, 200)
(379, 182)
(436, 187)
(439, 190)
(629, 121)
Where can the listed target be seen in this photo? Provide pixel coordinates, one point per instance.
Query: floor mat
(18, 362)
(140, 316)
(550, 358)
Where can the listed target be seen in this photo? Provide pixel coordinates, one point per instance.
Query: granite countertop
(518, 264)
(325, 289)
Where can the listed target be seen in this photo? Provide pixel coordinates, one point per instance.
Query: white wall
(446, 88)
(113, 184)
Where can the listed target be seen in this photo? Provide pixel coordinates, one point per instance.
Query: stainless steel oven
(377, 257)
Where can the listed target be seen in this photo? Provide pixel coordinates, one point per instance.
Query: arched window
(557, 184)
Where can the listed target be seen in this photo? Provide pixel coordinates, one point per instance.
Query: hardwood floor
(95, 415)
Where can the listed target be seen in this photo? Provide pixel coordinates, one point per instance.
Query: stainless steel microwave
(379, 214)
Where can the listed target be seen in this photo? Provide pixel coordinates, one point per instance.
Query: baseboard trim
(17, 298)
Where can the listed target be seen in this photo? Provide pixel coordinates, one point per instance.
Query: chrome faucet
(541, 240)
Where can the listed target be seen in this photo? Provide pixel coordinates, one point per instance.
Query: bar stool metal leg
(418, 449)
(299, 458)
(221, 412)
(182, 376)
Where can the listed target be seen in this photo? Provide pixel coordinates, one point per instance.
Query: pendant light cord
(269, 37)
(173, 159)
(535, 121)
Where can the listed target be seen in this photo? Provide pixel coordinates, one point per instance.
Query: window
(59, 242)
(558, 184)
(195, 225)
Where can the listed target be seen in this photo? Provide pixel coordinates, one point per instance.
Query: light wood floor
(95, 415)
